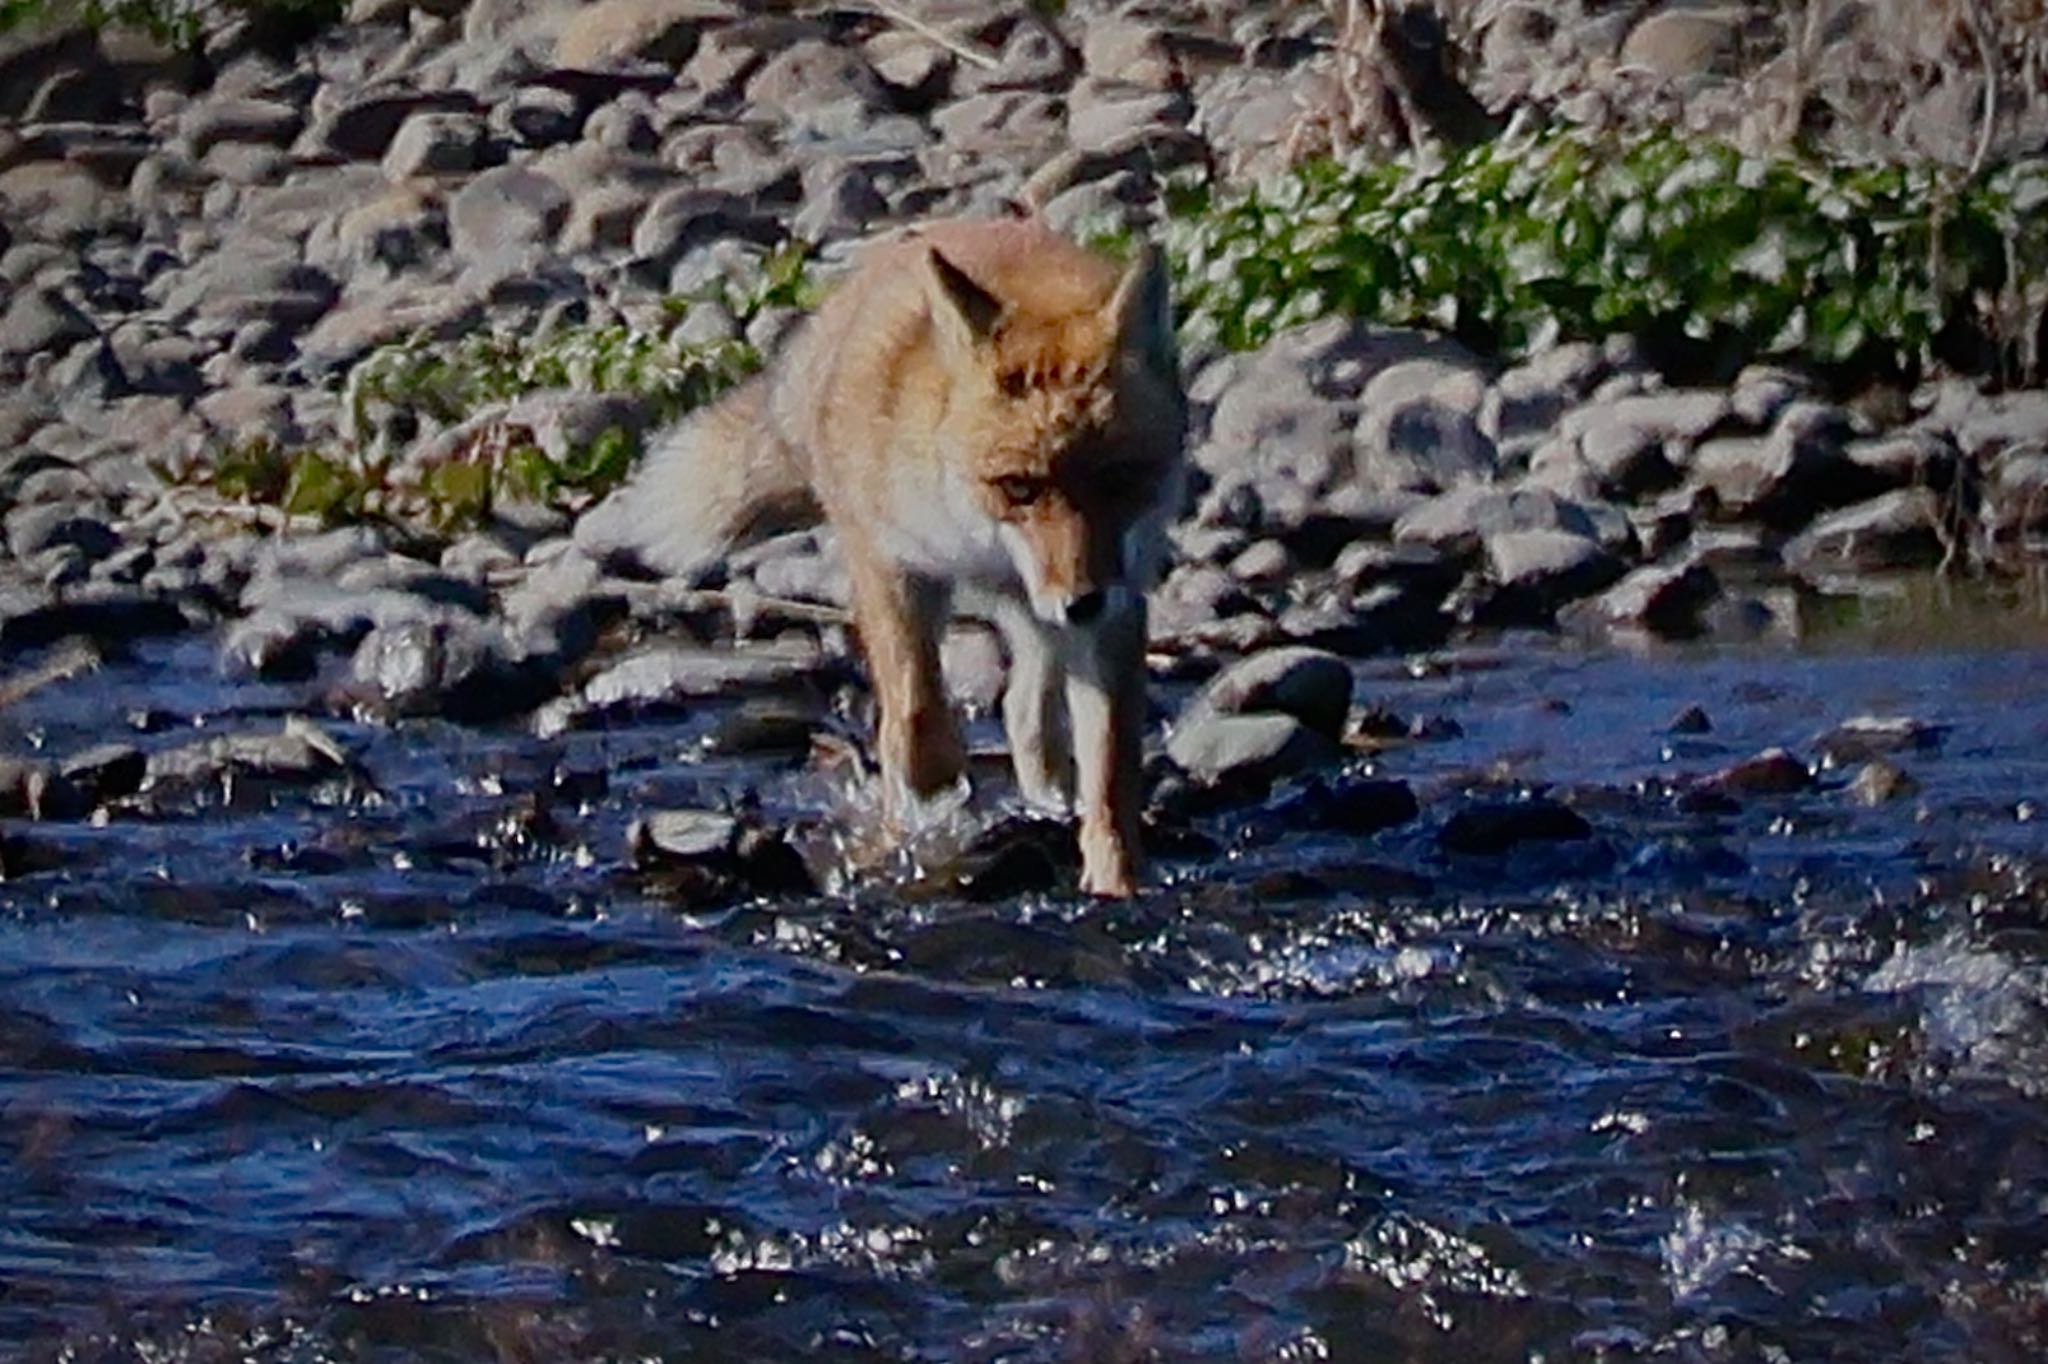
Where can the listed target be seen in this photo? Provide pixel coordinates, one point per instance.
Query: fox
(991, 416)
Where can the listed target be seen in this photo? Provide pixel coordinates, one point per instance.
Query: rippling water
(409, 1068)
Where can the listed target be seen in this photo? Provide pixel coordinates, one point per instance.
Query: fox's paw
(1111, 878)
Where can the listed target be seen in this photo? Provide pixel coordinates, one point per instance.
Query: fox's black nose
(1087, 608)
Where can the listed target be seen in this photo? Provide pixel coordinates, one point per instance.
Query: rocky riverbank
(206, 248)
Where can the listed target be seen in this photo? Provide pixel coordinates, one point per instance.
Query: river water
(408, 1066)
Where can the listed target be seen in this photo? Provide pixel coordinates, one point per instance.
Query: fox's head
(1066, 403)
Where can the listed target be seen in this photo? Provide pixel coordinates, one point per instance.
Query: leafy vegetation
(1713, 257)
(464, 386)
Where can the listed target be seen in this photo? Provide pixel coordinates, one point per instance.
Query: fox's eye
(1019, 490)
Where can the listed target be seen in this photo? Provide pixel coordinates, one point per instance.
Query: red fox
(991, 417)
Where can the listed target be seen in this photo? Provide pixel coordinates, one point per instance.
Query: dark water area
(405, 1065)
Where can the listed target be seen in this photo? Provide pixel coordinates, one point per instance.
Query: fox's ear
(1142, 310)
(963, 311)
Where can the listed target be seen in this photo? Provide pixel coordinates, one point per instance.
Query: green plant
(1716, 256)
(423, 383)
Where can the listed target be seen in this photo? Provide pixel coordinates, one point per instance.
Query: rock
(1352, 805)
(105, 772)
(1491, 828)
(402, 228)
(1132, 50)
(34, 528)
(246, 769)
(1680, 44)
(361, 127)
(537, 116)
(435, 144)
(1784, 478)
(1901, 530)
(704, 857)
(680, 219)
(1878, 782)
(812, 74)
(616, 32)
(210, 123)
(1311, 685)
(1773, 772)
(668, 676)
(40, 321)
(1667, 600)
(1460, 521)
(1217, 747)
(414, 667)
(1533, 396)
(1638, 445)
(1033, 57)
(1536, 571)
(504, 214)
(1419, 428)
(1873, 736)
(113, 615)
(1691, 720)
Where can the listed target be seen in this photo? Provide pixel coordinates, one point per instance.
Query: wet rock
(38, 527)
(113, 615)
(105, 772)
(1879, 782)
(1782, 480)
(1310, 685)
(703, 857)
(1900, 530)
(666, 676)
(1353, 805)
(1873, 736)
(1246, 749)
(1459, 522)
(1535, 571)
(1665, 599)
(1691, 720)
(763, 730)
(247, 769)
(1490, 828)
(1773, 772)
(1018, 855)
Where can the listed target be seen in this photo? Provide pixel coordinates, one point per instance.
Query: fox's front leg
(1035, 713)
(1106, 707)
(899, 616)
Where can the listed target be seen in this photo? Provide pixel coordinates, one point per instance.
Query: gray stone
(300, 754)
(1543, 568)
(688, 217)
(1899, 530)
(1033, 57)
(1418, 428)
(505, 214)
(1217, 747)
(41, 321)
(1458, 522)
(618, 32)
(217, 121)
(669, 673)
(435, 144)
(1662, 599)
(361, 127)
(1311, 685)
(36, 527)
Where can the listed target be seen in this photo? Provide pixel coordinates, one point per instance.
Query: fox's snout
(1073, 571)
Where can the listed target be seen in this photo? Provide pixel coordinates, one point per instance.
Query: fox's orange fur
(985, 412)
